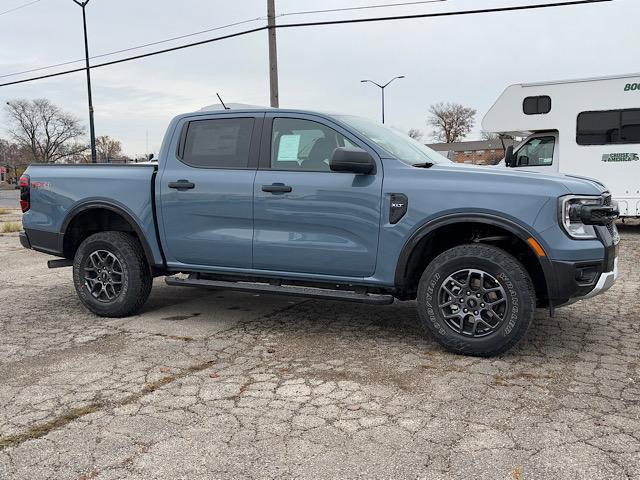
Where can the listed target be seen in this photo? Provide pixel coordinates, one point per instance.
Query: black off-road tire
(511, 276)
(136, 278)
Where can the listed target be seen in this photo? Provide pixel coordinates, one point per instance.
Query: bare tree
(451, 122)
(14, 158)
(108, 149)
(44, 130)
(489, 135)
(415, 134)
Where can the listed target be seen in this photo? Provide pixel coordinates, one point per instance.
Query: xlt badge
(398, 207)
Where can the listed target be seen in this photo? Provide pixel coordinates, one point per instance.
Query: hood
(572, 183)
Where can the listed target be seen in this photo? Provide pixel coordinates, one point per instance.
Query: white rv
(588, 127)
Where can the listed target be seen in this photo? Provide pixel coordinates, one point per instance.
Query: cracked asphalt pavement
(211, 384)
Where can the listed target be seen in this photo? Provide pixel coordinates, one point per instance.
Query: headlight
(570, 217)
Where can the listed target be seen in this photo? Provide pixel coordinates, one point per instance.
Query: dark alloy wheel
(476, 300)
(103, 275)
(472, 302)
(111, 274)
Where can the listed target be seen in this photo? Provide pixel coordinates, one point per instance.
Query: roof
(473, 145)
(580, 80)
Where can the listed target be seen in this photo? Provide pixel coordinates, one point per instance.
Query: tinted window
(303, 145)
(219, 143)
(537, 105)
(630, 126)
(536, 152)
(608, 127)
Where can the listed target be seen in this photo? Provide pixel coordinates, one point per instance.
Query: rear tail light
(25, 193)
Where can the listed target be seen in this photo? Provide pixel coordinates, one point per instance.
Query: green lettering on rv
(632, 87)
(620, 157)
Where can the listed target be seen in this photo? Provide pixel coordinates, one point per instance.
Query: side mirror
(354, 160)
(509, 159)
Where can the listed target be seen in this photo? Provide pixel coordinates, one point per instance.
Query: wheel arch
(72, 234)
(419, 242)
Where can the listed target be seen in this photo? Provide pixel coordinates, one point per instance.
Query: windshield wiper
(423, 165)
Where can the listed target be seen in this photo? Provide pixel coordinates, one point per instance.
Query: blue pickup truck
(327, 206)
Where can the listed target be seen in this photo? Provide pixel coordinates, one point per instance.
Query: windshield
(397, 144)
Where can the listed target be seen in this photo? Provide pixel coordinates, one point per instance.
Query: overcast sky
(465, 59)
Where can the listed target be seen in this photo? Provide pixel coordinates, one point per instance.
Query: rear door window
(218, 143)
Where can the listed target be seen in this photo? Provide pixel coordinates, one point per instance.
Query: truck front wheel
(476, 300)
(111, 275)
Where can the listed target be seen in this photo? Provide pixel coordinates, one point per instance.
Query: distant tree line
(41, 132)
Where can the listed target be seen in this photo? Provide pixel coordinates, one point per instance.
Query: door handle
(182, 185)
(276, 188)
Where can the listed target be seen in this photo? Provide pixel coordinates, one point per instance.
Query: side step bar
(293, 291)
(61, 263)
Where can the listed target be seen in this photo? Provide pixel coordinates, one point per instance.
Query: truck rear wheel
(476, 300)
(111, 275)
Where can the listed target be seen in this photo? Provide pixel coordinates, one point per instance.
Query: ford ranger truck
(328, 206)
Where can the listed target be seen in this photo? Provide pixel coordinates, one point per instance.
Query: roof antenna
(220, 98)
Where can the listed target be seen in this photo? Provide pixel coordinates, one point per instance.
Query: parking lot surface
(207, 384)
(9, 198)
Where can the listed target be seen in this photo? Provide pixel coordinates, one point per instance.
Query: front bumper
(605, 282)
(573, 281)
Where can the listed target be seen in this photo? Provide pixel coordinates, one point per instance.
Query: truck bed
(61, 191)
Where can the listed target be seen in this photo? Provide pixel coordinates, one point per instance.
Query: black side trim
(45, 242)
(24, 240)
(116, 209)
(154, 211)
(520, 232)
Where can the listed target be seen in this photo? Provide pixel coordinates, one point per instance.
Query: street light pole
(382, 87)
(92, 132)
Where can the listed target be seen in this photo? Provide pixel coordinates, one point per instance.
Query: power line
(137, 47)
(362, 7)
(145, 45)
(18, 7)
(235, 24)
(315, 24)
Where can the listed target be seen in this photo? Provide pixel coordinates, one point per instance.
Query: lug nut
(482, 305)
(465, 310)
(475, 312)
(478, 295)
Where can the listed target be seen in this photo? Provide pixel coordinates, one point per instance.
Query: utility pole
(92, 131)
(382, 87)
(273, 53)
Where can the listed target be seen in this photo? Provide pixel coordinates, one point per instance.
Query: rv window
(608, 127)
(630, 126)
(536, 152)
(537, 105)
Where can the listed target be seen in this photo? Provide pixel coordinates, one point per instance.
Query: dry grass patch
(4, 211)
(41, 430)
(11, 227)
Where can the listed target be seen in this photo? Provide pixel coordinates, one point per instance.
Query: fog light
(586, 275)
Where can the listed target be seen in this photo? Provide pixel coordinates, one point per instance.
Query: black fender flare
(115, 208)
(485, 218)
